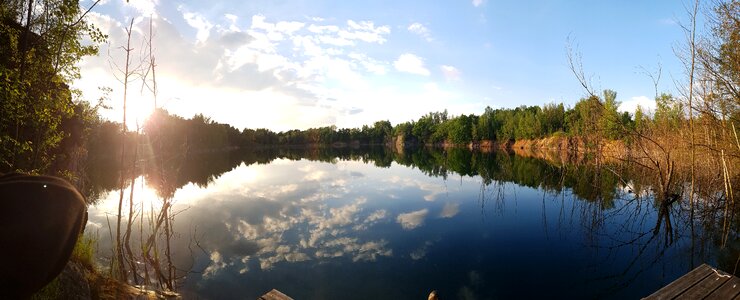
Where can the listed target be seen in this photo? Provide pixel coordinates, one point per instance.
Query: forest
(589, 115)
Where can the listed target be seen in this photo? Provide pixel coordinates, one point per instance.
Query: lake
(372, 224)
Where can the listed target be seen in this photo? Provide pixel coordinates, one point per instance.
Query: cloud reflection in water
(413, 219)
(287, 215)
(256, 217)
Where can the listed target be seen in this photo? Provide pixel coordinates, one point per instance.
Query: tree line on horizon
(592, 115)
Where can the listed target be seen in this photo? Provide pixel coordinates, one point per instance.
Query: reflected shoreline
(612, 214)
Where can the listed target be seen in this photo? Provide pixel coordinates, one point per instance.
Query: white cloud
(289, 27)
(369, 64)
(372, 219)
(421, 30)
(368, 251)
(450, 210)
(477, 3)
(232, 18)
(144, 8)
(275, 31)
(226, 66)
(275, 74)
(371, 250)
(274, 228)
(433, 190)
(322, 28)
(368, 26)
(377, 215)
(421, 252)
(336, 40)
(341, 216)
(451, 73)
(365, 31)
(232, 21)
(105, 23)
(267, 263)
(200, 24)
(411, 63)
(413, 219)
(216, 265)
(258, 22)
(647, 104)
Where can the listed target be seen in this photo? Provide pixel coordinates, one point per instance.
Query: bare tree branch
(575, 63)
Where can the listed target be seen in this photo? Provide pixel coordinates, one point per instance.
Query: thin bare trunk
(168, 255)
(151, 244)
(127, 236)
(152, 63)
(692, 46)
(24, 41)
(141, 243)
(126, 75)
(737, 141)
(728, 193)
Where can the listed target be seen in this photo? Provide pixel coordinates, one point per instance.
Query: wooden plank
(705, 287)
(682, 284)
(730, 289)
(274, 295)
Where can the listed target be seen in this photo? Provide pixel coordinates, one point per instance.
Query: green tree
(40, 45)
(553, 118)
(668, 111)
(486, 125)
(529, 125)
(382, 132)
(403, 131)
(583, 121)
(460, 130)
(639, 119)
(611, 122)
(509, 125)
(426, 126)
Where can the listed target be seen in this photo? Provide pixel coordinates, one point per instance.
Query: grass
(84, 251)
(100, 286)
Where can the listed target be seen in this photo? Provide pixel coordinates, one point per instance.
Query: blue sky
(301, 64)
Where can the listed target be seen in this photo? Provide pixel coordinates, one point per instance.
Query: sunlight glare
(145, 199)
(138, 110)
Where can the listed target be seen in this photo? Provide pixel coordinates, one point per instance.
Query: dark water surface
(378, 225)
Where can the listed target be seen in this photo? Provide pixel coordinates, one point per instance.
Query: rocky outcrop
(563, 149)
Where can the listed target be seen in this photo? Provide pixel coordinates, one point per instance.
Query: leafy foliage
(40, 44)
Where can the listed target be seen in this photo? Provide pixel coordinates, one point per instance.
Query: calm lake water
(376, 225)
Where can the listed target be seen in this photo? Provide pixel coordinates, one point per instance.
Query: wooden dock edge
(704, 282)
(274, 295)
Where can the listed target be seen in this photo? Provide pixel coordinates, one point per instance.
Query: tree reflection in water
(627, 228)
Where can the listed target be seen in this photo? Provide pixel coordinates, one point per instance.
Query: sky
(287, 65)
